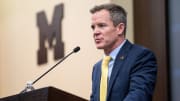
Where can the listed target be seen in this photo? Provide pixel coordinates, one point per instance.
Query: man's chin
(99, 47)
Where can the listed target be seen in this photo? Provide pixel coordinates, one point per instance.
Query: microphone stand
(29, 85)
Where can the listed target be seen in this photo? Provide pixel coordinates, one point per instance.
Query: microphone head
(76, 49)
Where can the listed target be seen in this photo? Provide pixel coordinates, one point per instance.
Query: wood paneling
(150, 31)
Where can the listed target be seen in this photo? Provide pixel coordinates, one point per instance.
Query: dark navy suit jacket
(133, 76)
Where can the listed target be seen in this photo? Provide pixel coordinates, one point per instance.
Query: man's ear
(120, 29)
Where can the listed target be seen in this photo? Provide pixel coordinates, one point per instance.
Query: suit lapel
(118, 64)
(98, 80)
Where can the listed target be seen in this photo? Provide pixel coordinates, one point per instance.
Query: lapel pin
(122, 57)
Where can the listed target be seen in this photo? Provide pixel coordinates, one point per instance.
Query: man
(131, 70)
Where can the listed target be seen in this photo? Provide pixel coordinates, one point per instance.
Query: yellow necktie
(104, 77)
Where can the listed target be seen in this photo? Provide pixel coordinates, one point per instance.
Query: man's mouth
(97, 40)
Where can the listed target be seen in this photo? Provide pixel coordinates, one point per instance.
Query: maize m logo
(51, 34)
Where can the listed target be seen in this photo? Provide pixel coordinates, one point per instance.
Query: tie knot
(106, 60)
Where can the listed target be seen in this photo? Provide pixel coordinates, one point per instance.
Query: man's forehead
(101, 14)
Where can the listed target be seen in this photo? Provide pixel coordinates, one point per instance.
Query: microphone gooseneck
(75, 50)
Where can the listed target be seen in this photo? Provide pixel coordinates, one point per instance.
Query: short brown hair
(117, 13)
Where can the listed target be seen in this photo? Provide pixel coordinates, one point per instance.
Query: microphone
(30, 87)
(76, 49)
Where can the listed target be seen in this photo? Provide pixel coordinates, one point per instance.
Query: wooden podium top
(44, 94)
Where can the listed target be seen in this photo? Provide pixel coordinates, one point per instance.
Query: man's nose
(96, 31)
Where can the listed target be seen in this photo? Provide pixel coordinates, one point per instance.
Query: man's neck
(108, 50)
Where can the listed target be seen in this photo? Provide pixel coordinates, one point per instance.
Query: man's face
(105, 34)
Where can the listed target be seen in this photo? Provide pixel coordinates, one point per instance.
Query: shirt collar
(114, 53)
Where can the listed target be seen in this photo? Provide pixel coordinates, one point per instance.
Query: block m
(50, 33)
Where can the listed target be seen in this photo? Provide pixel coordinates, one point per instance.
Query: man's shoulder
(98, 63)
(141, 52)
(141, 48)
(138, 49)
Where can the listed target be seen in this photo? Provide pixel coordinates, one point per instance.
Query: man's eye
(92, 26)
(101, 25)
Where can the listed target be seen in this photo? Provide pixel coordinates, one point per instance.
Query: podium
(44, 94)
